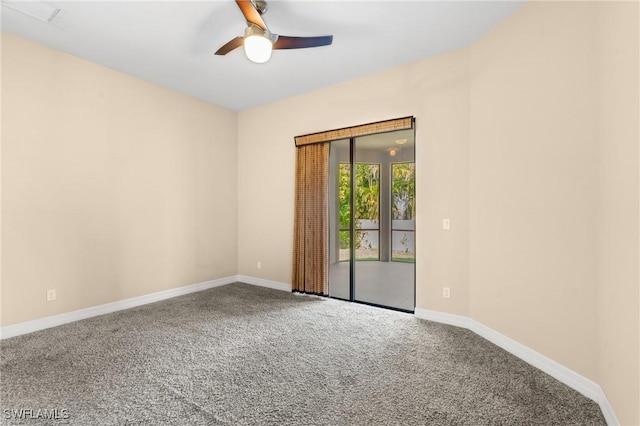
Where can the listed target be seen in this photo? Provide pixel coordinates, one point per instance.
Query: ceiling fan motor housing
(254, 30)
(260, 5)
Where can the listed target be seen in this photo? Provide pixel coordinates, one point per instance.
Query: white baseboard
(264, 283)
(607, 411)
(55, 320)
(561, 373)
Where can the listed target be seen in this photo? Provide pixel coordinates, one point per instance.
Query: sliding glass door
(372, 220)
(340, 211)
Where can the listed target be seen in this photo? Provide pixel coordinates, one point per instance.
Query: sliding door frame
(352, 133)
(352, 217)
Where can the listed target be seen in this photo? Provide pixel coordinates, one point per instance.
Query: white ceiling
(171, 43)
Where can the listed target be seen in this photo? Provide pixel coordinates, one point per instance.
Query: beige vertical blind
(310, 231)
(356, 131)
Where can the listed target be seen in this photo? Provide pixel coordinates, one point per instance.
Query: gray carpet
(240, 354)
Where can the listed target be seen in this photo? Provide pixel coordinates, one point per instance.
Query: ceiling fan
(258, 41)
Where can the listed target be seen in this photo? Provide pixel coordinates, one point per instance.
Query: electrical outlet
(259, 265)
(446, 224)
(51, 295)
(446, 292)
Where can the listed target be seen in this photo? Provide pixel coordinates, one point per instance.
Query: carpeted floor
(240, 354)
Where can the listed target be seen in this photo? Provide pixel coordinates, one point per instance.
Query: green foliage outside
(368, 190)
(367, 198)
(344, 195)
(403, 190)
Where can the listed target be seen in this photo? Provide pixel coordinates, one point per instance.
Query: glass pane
(345, 246)
(339, 219)
(344, 195)
(403, 191)
(367, 194)
(367, 247)
(384, 204)
(404, 225)
(402, 246)
(381, 231)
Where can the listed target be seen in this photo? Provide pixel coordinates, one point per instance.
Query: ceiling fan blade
(286, 42)
(234, 43)
(251, 14)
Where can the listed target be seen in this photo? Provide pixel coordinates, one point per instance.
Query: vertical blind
(310, 245)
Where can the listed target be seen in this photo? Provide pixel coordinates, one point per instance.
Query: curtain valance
(356, 131)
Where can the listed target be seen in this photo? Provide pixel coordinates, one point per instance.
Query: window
(403, 212)
(367, 211)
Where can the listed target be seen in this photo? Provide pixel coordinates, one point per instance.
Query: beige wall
(112, 187)
(618, 291)
(512, 145)
(534, 122)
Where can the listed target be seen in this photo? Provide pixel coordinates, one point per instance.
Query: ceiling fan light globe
(258, 48)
